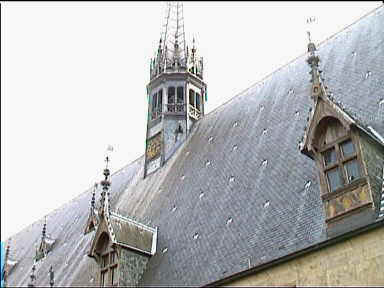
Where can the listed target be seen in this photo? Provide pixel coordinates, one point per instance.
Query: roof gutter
(296, 254)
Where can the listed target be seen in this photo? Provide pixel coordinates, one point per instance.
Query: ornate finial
(105, 184)
(32, 276)
(51, 277)
(313, 60)
(311, 45)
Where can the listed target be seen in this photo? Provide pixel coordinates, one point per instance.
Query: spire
(32, 276)
(173, 33)
(172, 51)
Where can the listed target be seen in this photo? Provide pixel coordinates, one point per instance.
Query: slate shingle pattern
(266, 186)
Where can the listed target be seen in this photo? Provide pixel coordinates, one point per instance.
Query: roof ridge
(132, 161)
(294, 59)
(353, 23)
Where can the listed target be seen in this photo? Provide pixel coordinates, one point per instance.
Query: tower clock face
(154, 146)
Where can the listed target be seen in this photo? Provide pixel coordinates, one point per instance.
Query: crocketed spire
(172, 54)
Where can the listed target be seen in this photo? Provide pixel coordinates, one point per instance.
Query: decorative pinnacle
(313, 60)
(93, 196)
(32, 276)
(44, 229)
(105, 184)
(311, 45)
(51, 277)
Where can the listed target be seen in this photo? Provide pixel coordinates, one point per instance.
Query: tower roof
(173, 36)
(172, 53)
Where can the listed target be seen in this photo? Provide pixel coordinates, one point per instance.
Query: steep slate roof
(233, 196)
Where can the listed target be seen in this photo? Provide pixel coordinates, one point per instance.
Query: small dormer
(46, 244)
(349, 158)
(121, 246)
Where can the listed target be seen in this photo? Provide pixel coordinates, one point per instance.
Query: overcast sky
(73, 77)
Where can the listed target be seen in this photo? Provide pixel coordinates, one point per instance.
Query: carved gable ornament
(324, 108)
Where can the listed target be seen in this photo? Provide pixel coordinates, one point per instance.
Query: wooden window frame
(107, 280)
(340, 164)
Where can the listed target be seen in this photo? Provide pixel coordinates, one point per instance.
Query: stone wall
(131, 268)
(373, 156)
(353, 262)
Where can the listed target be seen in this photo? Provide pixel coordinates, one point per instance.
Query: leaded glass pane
(334, 179)
(347, 148)
(352, 169)
(329, 156)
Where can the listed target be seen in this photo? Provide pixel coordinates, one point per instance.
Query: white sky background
(73, 77)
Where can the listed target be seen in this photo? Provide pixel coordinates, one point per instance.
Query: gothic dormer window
(348, 156)
(108, 261)
(109, 269)
(120, 243)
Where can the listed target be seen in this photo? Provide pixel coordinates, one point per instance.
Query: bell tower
(176, 91)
